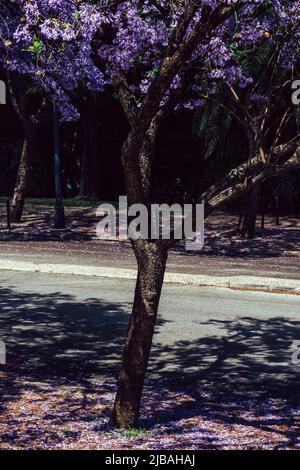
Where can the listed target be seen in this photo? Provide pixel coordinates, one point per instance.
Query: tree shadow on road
(242, 375)
(54, 334)
(246, 354)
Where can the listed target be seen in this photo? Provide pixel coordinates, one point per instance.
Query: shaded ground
(58, 385)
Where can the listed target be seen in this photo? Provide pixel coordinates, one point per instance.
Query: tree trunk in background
(151, 258)
(23, 174)
(31, 121)
(5, 168)
(249, 216)
(89, 163)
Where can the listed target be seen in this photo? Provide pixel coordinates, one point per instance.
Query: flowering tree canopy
(66, 44)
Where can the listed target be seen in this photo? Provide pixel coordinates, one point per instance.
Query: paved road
(120, 255)
(218, 337)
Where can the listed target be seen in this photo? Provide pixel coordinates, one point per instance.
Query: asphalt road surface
(215, 337)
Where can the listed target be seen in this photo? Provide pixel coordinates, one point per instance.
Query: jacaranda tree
(158, 55)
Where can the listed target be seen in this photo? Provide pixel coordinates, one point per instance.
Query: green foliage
(73, 202)
(213, 127)
(134, 432)
(36, 47)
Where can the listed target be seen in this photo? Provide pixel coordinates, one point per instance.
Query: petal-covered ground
(221, 237)
(73, 413)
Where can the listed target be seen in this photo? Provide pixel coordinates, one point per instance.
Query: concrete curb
(250, 283)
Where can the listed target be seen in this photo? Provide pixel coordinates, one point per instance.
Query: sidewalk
(271, 262)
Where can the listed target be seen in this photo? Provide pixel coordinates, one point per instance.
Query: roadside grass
(134, 432)
(77, 202)
(70, 202)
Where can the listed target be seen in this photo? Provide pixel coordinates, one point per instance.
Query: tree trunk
(151, 259)
(23, 174)
(248, 221)
(89, 163)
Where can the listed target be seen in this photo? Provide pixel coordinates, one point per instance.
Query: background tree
(31, 115)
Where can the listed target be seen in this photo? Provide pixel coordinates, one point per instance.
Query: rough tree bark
(152, 258)
(23, 174)
(249, 214)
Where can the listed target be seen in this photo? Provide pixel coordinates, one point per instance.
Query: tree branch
(237, 181)
(128, 105)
